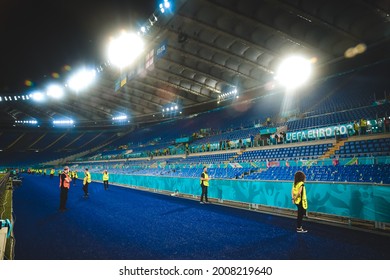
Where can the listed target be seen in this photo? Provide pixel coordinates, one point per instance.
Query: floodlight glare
(120, 118)
(82, 79)
(37, 96)
(124, 50)
(55, 91)
(294, 71)
(63, 122)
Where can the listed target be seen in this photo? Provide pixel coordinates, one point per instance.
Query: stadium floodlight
(120, 118)
(124, 50)
(27, 122)
(81, 79)
(63, 122)
(164, 6)
(37, 96)
(227, 93)
(294, 72)
(55, 91)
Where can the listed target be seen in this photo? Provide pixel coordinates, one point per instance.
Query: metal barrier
(6, 230)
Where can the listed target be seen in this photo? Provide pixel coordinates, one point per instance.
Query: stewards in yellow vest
(64, 186)
(298, 196)
(74, 177)
(204, 184)
(105, 179)
(86, 181)
(52, 171)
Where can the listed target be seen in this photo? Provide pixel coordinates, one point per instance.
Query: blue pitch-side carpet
(123, 223)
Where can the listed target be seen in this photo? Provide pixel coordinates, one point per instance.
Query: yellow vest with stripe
(302, 196)
(205, 182)
(87, 178)
(105, 176)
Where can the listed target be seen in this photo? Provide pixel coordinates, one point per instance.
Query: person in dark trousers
(74, 177)
(64, 187)
(86, 181)
(298, 196)
(105, 179)
(204, 184)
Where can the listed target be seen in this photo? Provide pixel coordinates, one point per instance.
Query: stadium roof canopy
(210, 47)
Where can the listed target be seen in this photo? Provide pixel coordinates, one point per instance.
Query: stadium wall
(368, 202)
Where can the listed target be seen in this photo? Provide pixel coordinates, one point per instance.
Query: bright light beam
(81, 80)
(55, 91)
(294, 72)
(123, 50)
(37, 96)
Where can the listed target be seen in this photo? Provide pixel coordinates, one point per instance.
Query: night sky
(41, 37)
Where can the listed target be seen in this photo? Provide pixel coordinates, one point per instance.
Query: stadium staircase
(234, 157)
(333, 150)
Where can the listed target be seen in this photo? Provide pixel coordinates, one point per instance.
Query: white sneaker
(301, 230)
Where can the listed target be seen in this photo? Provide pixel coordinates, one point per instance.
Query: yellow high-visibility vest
(205, 182)
(298, 197)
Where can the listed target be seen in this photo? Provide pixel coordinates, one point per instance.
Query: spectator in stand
(337, 134)
(187, 149)
(363, 126)
(380, 124)
(387, 124)
(356, 127)
(252, 140)
(282, 136)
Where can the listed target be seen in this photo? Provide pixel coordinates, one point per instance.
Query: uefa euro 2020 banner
(319, 133)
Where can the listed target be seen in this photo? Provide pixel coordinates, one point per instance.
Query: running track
(124, 223)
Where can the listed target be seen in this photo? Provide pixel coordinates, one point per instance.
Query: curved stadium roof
(216, 45)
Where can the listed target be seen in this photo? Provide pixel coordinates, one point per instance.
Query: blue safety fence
(359, 201)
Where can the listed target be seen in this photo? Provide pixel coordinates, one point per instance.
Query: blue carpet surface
(123, 223)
